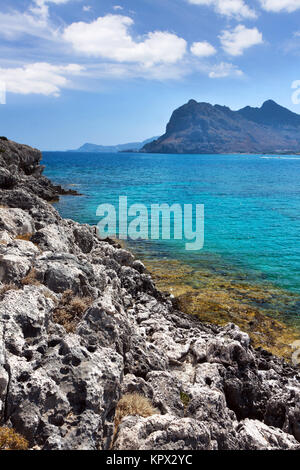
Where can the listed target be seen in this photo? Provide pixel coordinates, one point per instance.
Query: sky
(109, 72)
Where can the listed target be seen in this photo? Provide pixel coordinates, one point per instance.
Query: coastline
(82, 325)
(218, 300)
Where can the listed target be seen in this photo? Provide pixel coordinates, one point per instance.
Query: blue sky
(110, 72)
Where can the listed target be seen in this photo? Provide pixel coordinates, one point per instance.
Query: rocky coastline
(83, 326)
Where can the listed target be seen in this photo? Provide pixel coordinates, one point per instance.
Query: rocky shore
(83, 329)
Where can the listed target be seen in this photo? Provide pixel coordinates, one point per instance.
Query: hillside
(204, 128)
(131, 146)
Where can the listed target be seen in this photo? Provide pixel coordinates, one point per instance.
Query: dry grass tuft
(25, 236)
(11, 440)
(30, 279)
(70, 310)
(7, 288)
(133, 404)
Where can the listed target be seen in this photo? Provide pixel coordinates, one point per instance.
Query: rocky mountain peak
(203, 128)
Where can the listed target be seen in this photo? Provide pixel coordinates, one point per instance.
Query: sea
(251, 212)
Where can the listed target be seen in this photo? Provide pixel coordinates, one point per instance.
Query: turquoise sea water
(252, 205)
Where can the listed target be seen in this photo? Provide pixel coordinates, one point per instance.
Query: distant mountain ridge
(204, 128)
(94, 148)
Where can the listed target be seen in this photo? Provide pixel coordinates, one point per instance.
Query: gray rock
(162, 433)
(211, 389)
(255, 435)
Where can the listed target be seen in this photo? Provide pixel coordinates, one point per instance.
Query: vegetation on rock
(70, 310)
(11, 440)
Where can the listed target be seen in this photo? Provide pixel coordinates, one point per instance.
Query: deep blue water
(252, 217)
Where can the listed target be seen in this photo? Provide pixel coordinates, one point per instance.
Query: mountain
(204, 128)
(271, 114)
(94, 148)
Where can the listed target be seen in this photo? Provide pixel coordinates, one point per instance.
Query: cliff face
(82, 324)
(203, 128)
(20, 170)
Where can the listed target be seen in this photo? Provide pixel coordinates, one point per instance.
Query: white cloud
(236, 8)
(118, 7)
(109, 37)
(34, 21)
(280, 5)
(234, 42)
(225, 69)
(15, 24)
(38, 78)
(203, 49)
(110, 48)
(40, 7)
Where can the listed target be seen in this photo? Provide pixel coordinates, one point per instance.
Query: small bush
(70, 310)
(30, 279)
(133, 404)
(25, 236)
(11, 440)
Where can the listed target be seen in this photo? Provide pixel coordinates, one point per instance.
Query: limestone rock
(210, 388)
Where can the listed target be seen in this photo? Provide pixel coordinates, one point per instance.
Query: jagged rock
(16, 221)
(20, 167)
(255, 435)
(16, 261)
(7, 180)
(211, 389)
(162, 433)
(84, 238)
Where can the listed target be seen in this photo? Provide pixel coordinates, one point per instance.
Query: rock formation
(203, 128)
(60, 381)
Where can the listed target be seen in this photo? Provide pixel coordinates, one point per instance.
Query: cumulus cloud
(280, 5)
(225, 69)
(203, 49)
(109, 37)
(39, 78)
(234, 42)
(109, 50)
(117, 7)
(235, 8)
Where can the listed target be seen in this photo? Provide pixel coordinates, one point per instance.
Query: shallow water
(252, 218)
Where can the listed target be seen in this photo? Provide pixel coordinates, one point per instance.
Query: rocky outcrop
(59, 386)
(21, 172)
(202, 128)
